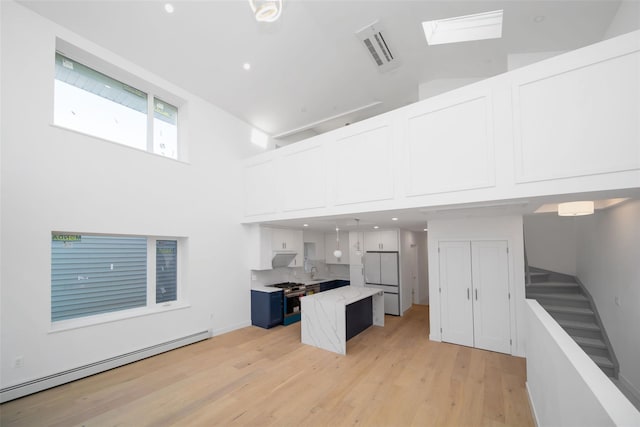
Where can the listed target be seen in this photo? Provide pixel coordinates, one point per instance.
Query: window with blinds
(96, 274)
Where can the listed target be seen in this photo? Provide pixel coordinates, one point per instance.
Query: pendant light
(358, 250)
(337, 253)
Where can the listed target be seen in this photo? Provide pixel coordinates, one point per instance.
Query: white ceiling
(309, 65)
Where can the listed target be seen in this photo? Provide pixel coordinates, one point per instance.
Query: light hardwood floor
(391, 376)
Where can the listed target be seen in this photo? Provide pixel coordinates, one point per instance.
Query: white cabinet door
(389, 269)
(372, 268)
(283, 240)
(330, 245)
(491, 314)
(455, 290)
(386, 240)
(356, 275)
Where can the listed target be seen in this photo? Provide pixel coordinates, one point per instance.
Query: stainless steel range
(291, 303)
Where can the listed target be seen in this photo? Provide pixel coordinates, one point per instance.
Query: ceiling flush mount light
(337, 253)
(480, 26)
(168, 7)
(376, 227)
(394, 219)
(575, 208)
(266, 10)
(305, 225)
(246, 66)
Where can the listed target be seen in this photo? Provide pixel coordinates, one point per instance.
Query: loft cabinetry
(386, 240)
(474, 294)
(411, 157)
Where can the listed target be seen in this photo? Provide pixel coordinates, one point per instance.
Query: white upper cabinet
(266, 241)
(330, 245)
(385, 240)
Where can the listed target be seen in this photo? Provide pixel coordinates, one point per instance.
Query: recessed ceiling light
(394, 219)
(479, 26)
(168, 7)
(376, 227)
(246, 66)
(426, 229)
(305, 225)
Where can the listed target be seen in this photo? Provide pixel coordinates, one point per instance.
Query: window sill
(138, 150)
(99, 319)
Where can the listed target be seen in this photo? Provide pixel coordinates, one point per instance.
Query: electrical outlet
(18, 362)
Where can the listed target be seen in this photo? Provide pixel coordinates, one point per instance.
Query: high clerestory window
(88, 101)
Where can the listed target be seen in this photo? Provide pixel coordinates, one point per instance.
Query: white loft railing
(565, 386)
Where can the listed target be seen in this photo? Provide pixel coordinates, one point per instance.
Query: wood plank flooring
(391, 376)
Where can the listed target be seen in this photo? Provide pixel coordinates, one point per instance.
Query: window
(88, 101)
(93, 274)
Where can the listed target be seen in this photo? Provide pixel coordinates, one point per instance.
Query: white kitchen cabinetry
(330, 246)
(386, 240)
(475, 294)
(265, 242)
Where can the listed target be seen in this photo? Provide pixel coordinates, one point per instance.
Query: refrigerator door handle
(468, 294)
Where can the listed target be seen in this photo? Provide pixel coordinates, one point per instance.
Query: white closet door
(456, 310)
(491, 308)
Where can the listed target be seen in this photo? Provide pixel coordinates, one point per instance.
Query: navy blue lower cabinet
(333, 284)
(359, 316)
(266, 308)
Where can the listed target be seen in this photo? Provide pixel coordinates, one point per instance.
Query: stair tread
(590, 342)
(578, 325)
(565, 309)
(602, 361)
(553, 284)
(573, 297)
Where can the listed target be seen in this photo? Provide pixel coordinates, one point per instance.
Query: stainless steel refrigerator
(381, 272)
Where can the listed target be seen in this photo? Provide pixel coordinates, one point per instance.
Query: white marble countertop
(344, 295)
(265, 288)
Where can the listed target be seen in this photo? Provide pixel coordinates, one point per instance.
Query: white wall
(565, 386)
(437, 86)
(608, 264)
(550, 242)
(423, 270)
(54, 179)
(626, 19)
(507, 228)
(409, 268)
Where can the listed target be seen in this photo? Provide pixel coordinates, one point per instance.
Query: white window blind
(166, 270)
(96, 274)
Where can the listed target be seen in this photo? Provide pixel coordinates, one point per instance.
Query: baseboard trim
(230, 328)
(531, 405)
(633, 393)
(39, 384)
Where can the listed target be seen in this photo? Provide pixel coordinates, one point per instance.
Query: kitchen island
(330, 318)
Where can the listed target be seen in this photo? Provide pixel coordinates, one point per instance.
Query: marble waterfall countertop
(324, 316)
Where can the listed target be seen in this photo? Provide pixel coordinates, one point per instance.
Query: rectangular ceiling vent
(377, 45)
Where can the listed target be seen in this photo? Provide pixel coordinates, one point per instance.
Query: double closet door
(474, 294)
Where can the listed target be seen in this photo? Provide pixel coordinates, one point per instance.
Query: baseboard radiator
(33, 386)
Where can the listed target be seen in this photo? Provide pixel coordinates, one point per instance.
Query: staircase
(572, 307)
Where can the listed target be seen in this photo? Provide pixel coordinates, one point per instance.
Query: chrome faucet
(313, 272)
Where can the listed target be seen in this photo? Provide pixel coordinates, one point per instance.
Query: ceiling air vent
(377, 45)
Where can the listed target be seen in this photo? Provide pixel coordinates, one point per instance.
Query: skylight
(479, 26)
